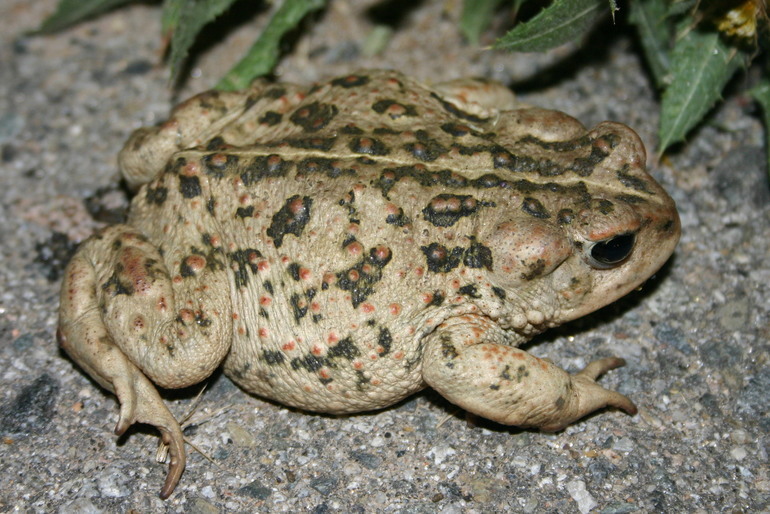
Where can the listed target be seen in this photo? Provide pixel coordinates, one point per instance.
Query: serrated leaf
(701, 65)
(476, 16)
(562, 21)
(69, 12)
(193, 15)
(263, 55)
(761, 94)
(649, 17)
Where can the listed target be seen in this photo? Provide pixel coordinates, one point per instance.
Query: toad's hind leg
(120, 320)
(468, 362)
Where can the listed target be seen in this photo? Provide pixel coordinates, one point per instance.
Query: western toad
(341, 246)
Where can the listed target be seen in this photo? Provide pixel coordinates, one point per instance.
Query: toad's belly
(344, 377)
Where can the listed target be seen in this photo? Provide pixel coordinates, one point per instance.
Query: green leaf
(678, 7)
(701, 64)
(649, 17)
(761, 94)
(263, 55)
(562, 21)
(190, 17)
(69, 12)
(172, 10)
(476, 16)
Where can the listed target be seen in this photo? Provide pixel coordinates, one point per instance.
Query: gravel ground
(695, 337)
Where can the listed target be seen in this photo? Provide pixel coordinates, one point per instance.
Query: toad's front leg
(128, 323)
(467, 361)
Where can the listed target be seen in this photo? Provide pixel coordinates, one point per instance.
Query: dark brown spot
(444, 178)
(478, 256)
(243, 261)
(274, 92)
(270, 118)
(368, 146)
(290, 219)
(385, 341)
(264, 166)
(456, 129)
(667, 226)
(632, 181)
(439, 259)
(394, 109)
(329, 167)
(399, 219)
(313, 143)
(470, 290)
(216, 164)
(584, 166)
(351, 81)
(361, 279)
(533, 207)
(114, 286)
(309, 362)
(272, 358)
(558, 146)
(244, 212)
(216, 143)
(156, 196)
(190, 187)
(437, 298)
(425, 149)
(631, 199)
(448, 350)
(445, 210)
(386, 131)
(344, 348)
(192, 265)
(502, 158)
(351, 129)
(536, 269)
(314, 116)
(293, 270)
(605, 207)
(301, 303)
(489, 180)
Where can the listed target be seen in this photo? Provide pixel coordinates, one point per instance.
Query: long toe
(599, 367)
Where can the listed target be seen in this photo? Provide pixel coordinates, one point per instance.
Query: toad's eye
(610, 252)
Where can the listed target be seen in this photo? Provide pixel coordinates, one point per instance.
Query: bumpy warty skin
(341, 246)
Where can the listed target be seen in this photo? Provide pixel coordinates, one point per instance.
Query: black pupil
(613, 250)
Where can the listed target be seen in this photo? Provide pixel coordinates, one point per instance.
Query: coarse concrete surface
(695, 336)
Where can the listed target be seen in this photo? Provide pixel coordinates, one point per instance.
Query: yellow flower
(739, 18)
